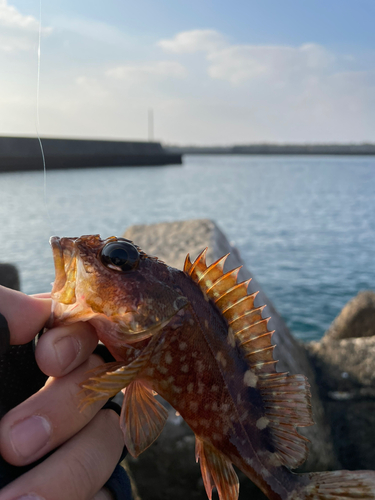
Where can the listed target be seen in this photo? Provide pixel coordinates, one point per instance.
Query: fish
(195, 338)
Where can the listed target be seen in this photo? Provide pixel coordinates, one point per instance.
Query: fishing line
(37, 125)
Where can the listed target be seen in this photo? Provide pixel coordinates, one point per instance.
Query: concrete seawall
(23, 153)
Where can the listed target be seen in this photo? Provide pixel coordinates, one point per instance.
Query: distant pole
(150, 124)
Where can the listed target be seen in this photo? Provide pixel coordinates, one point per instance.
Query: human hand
(89, 443)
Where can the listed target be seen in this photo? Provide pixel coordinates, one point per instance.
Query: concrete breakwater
(24, 153)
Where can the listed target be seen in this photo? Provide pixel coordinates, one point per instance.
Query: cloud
(240, 64)
(141, 72)
(189, 42)
(17, 31)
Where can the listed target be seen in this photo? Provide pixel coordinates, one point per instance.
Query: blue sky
(214, 72)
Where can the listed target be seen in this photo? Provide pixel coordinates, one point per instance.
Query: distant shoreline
(24, 154)
(277, 149)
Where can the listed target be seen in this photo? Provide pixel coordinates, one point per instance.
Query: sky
(214, 72)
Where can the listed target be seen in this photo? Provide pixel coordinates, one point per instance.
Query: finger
(104, 494)
(61, 349)
(45, 295)
(25, 315)
(79, 468)
(48, 418)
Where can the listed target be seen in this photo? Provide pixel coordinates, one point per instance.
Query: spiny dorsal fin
(286, 397)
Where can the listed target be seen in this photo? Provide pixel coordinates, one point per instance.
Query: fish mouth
(64, 256)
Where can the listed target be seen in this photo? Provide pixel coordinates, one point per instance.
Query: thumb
(24, 315)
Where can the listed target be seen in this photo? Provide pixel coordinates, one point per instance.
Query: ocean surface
(304, 225)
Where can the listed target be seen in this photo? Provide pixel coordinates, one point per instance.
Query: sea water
(304, 225)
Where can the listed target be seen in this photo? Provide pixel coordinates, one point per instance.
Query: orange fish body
(196, 339)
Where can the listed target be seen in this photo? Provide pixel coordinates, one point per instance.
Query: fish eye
(119, 255)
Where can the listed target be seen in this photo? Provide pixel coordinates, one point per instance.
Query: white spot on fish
(231, 339)
(182, 346)
(214, 388)
(204, 422)
(215, 406)
(250, 379)
(185, 368)
(191, 322)
(97, 300)
(182, 358)
(199, 366)
(221, 359)
(265, 472)
(170, 379)
(162, 369)
(200, 388)
(206, 323)
(168, 358)
(238, 399)
(107, 310)
(216, 436)
(190, 387)
(176, 389)
(225, 407)
(244, 416)
(274, 460)
(193, 405)
(262, 423)
(194, 355)
(150, 371)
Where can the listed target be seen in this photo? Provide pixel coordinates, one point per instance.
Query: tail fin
(340, 485)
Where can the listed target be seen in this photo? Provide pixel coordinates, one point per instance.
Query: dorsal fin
(286, 397)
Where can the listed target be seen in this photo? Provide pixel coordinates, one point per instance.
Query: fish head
(114, 285)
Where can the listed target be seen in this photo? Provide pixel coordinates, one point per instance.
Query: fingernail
(30, 435)
(67, 349)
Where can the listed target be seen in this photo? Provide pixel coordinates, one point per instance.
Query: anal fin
(217, 471)
(142, 417)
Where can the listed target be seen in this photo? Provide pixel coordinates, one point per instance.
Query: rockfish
(195, 338)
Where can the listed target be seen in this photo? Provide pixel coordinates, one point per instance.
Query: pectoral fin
(107, 380)
(217, 471)
(142, 418)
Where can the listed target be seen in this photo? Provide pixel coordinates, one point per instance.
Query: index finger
(25, 316)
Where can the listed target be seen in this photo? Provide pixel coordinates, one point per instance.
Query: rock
(357, 319)
(345, 369)
(344, 365)
(171, 242)
(9, 276)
